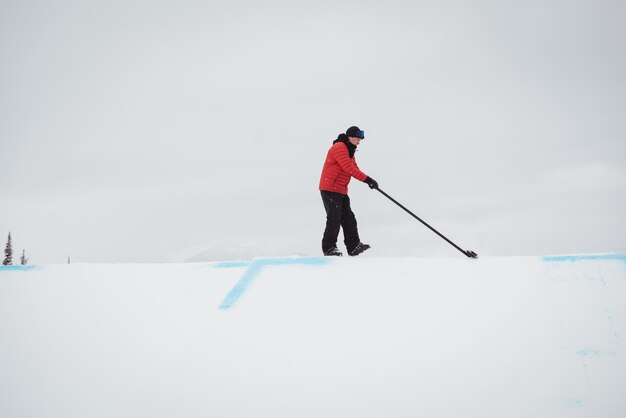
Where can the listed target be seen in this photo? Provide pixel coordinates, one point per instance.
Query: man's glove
(372, 183)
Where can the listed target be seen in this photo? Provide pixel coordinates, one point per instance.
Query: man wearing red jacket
(339, 168)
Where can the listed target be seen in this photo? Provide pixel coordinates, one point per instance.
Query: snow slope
(316, 337)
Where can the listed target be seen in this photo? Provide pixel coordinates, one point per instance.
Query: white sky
(135, 130)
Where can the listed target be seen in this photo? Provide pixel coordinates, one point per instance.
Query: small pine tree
(23, 259)
(8, 253)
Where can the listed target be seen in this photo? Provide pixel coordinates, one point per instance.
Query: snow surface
(316, 337)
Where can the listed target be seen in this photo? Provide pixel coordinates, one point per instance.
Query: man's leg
(348, 223)
(333, 203)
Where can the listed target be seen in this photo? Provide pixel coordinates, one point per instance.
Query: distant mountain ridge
(237, 252)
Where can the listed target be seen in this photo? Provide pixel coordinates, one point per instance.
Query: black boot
(359, 249)
(333, 251)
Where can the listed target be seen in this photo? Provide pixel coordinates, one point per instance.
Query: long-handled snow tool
(469, 253)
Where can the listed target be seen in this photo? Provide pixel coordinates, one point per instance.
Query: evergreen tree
(8, 253)
(24, 260)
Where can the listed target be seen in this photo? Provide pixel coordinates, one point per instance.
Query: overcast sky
(152, 130)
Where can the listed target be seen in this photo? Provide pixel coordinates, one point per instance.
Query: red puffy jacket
(338, 169)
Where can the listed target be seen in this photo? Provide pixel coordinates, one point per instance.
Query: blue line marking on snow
(231, 264)
(592, 257)
(256, 267)
(18, 268)
(241, 286)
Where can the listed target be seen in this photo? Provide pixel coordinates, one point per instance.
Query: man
(339, 168)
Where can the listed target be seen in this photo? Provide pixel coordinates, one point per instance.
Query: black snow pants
(339, 214)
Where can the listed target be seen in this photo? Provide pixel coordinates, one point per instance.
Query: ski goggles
(361, 134)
